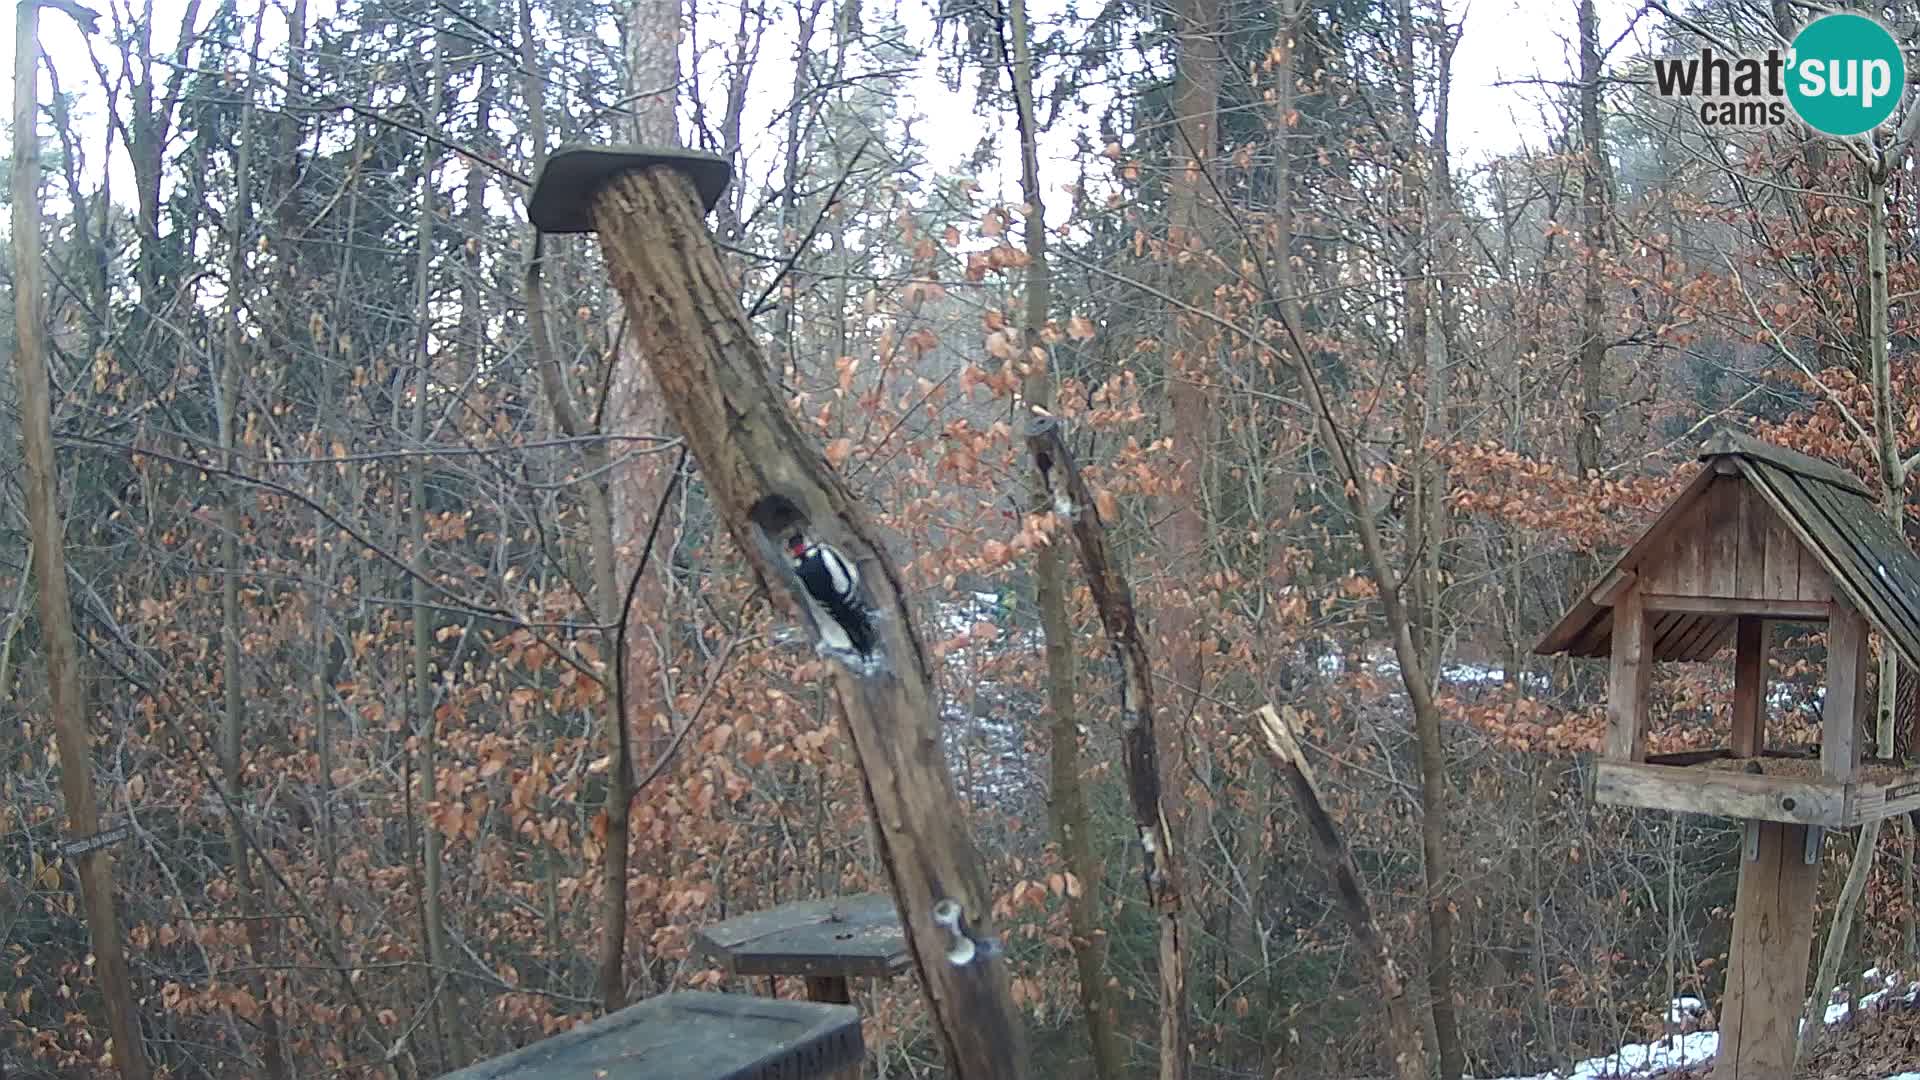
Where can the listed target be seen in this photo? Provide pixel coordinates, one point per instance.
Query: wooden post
(1750, 687)
(1767, 961)
(1847, 665)
(1627, 687)
(767, 479)
(832, 989)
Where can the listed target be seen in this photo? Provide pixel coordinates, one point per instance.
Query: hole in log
(776, 515)
(1788, 803)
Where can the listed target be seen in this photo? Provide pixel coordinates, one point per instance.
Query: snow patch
(1676, 1051)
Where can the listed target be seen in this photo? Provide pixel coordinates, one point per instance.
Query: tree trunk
(1593, 219)
(767, 480)
(73, 732)
(1198, 71)
(233, 366)
(612, 964)
(439, 970)
(1071, 819)
(632, 406)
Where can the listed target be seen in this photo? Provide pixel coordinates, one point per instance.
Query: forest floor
(1879, 1041)
(1876, 1042)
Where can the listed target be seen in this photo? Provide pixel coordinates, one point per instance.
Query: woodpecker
(832, 586)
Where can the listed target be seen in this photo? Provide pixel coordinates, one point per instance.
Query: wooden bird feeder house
(1760, 535)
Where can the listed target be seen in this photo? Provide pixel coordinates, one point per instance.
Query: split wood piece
(1767, 959)
(1060, 478)
(767, 479)
(1409, 1056)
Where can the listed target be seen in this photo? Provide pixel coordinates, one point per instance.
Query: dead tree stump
(766, 478)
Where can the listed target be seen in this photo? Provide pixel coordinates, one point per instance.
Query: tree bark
(1593, 220)
(233, 366)
(1198, 73)
(632, 406)
(1146, 778)
(73, 733)
(1072, 821)
(767, 479)
(441, 997)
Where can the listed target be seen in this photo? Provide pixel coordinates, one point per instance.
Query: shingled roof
(1833, 515)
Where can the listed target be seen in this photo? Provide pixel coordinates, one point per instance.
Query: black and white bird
(833, 587)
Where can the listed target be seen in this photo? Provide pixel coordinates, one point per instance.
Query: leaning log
(1060, 478)
(1403, 1035)
(768, 480)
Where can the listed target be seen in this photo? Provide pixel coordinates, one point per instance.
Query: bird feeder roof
(1830, 513)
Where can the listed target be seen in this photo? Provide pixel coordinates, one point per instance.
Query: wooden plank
(1816, 585)
(1701, 790)
(1782, 562)
(1689, 757)
(1750, 687)
(692, 1035)
(1875, 801)
(1786, 610)
(1631, 668)
(1690, 643)
(1754, 517)
(1607, 593)
(1685, 571)
(1874, 571)
(1593, 641)
(1666, 632)
(1714, 644)
(1767, 961)
(1719, 541)
(1841, 712)
(1734, 442)
(1883, 560)
(837, 937)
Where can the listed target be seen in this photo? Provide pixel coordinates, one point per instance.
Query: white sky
(1503, 41)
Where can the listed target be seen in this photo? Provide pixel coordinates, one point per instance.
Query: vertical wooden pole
(835, 990)
(1847, 663)
(832, 989)
(1627, 688)
(1750, 687)
(1767, 965)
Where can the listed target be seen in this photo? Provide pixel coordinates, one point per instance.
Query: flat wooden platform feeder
(1761, 534)
(825, 941)
(692, 1036)
(1772, 787)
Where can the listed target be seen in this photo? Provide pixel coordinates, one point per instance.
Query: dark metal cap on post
(563, 190)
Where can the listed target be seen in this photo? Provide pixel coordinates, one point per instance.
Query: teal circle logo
(1846, 75)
